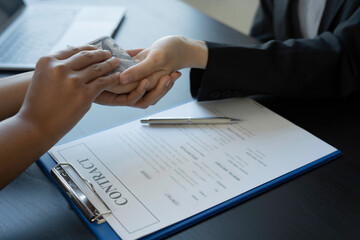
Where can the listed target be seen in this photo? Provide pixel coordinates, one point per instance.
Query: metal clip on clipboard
(78, 196)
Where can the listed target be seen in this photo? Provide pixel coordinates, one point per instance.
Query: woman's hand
(163, 57)
(156, 71)
(127, 88)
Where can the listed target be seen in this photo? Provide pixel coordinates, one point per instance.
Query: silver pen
(189, 120)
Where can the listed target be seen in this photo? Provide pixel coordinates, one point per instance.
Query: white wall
(237, 14)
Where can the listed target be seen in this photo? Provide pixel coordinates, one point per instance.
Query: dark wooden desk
(322, 204)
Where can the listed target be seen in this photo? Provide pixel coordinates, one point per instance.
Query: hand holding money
(165, 56)
(126, 61)
(136, 93)
(107, 43)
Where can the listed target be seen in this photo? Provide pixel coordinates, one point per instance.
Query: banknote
(107, 43)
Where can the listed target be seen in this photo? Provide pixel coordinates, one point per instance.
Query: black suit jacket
(284, 63)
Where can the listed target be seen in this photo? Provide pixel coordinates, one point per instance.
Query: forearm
(21, 143)
(12, 93)
(59, 95)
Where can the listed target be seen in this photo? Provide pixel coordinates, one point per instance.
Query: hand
(157, 64)
(63, 87)
(140, 94)
(165, 56)
(127, 88)
(139, 97)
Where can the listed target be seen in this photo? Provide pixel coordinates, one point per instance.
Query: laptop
(28, 32)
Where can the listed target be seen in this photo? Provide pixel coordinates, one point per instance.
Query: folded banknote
(107, 43)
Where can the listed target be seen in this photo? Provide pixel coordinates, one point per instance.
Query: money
(107, 43)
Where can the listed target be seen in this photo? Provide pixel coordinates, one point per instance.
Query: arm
(326, 66)
(12, 93)
(58, 94)
(61, 91)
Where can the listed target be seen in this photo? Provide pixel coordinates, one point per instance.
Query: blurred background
(237, 14)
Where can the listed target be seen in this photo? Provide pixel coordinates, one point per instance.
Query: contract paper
(152, 177)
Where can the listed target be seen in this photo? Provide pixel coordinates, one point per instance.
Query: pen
(189, 120)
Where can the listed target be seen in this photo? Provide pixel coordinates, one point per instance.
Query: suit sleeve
(326, 66)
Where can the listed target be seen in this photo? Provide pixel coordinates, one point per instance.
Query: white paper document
(154, 176)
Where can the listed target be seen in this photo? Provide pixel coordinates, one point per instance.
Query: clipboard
(102, 230)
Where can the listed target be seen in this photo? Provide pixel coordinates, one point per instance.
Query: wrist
(36, 128)
(29, 127)
(196, 53)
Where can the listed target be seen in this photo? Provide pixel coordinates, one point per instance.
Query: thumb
(139, 71)
(134, 52)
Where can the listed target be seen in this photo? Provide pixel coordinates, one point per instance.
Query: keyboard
(34, 34)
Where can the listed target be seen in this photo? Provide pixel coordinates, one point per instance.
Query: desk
(322, 204)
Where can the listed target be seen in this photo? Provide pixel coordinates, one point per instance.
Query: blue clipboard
(104, 230)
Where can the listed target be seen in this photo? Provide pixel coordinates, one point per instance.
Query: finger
(112, 99)
(138, 93)
(123, 88)
(83, 59)
(100, 84)
(97, 70)
(66, 53)
(139, 57)
(175, 75)
(134, 52)
(106, 98)
(156, 76)
(154, 94)
(165, 91)
(139, 71)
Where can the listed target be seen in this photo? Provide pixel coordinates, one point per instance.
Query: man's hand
(64, 85)
(61, 91)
